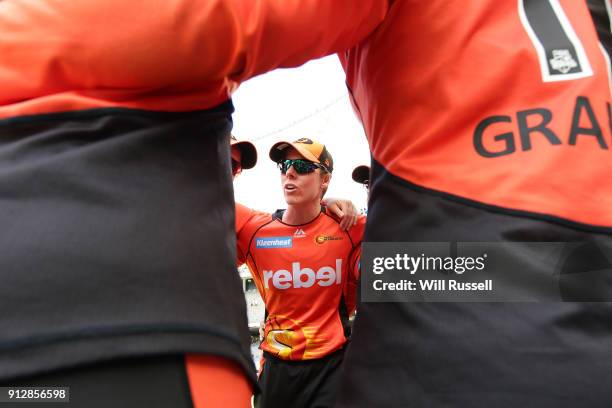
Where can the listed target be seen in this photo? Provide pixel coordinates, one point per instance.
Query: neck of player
(303, 213)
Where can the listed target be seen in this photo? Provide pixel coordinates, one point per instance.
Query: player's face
(301, 188)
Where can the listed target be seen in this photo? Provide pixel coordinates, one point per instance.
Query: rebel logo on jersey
(300, 277)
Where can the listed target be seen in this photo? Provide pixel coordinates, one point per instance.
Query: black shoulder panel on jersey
(278, 214)
(602, 17)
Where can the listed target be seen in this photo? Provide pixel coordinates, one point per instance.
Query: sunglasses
(300, 166)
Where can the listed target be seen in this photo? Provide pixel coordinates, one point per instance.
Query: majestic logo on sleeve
(300, 277)
(274, 242)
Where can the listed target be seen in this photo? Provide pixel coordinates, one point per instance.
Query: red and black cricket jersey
(488, 121)
(304, 274)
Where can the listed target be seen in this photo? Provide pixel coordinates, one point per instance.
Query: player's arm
(344, 210)
(247, 222)
(266, 34)
(354, 262)
(352, 281)
(171, 43)
(356, 233)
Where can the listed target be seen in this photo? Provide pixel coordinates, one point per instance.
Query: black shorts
(296, 384)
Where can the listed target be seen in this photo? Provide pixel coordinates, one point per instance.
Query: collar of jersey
(278, 216)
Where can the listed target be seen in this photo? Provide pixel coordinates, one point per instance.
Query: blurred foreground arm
(199, 47)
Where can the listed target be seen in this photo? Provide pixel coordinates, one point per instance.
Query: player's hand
(345, 210)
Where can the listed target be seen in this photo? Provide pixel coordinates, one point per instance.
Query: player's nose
(291, 173)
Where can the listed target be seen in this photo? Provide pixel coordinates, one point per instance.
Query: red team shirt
(488, 121)
(476, 102)
(303, 273)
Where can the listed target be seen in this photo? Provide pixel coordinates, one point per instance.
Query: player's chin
(291, 199)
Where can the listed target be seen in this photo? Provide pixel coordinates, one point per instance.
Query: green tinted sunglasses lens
(303, 166)
(300, 166)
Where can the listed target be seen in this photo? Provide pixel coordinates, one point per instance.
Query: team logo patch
(285, 337)
(274, 242)
(562, 61)
(322, 238)
(299, 233)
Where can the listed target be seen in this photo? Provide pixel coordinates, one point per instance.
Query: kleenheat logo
(322, 238)
(274, 242)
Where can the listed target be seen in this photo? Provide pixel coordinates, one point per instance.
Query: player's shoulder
(249, 220)
(328, 217)
(355, 232)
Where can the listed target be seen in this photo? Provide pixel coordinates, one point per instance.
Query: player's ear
(325, 180)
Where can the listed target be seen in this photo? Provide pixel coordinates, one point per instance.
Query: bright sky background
(309, 101)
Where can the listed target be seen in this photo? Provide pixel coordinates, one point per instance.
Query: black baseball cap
(361, 174)
(248, 152)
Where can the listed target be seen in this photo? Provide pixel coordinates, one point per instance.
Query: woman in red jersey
(300, 259)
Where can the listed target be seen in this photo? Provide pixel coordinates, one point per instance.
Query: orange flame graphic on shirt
(285, 338)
